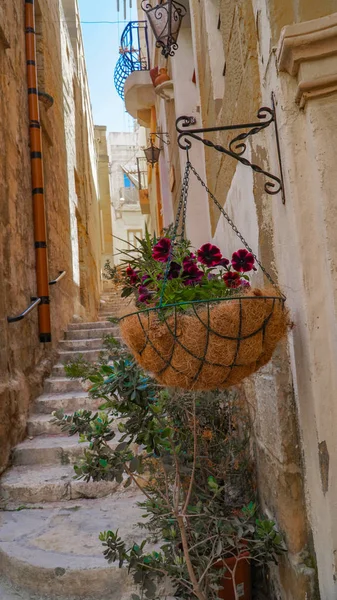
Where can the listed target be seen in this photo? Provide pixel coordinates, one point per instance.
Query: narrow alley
(168, 322)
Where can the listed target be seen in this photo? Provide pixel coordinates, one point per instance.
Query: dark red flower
(144, 294)
(224, 262)
(232, 279)
(174, 271)
(132, 275)
(161, 250)
(209, 255)
(192, 274)
(243, 261)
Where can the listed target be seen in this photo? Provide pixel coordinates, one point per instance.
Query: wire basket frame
(207, 344)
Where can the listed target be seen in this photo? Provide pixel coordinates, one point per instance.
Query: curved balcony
(134, 53)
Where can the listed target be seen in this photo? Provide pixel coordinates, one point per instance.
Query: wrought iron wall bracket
(237, 146)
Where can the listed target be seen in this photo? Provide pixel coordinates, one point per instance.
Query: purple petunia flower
(144, 294)
(243, 261)
(161, 250)
(224, 262)
(209, 255)
(174, 271)
(192, 274)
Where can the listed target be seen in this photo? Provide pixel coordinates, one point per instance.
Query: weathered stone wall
(104, 194)
(23, 360)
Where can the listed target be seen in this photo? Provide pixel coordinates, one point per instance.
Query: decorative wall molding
(308, 51)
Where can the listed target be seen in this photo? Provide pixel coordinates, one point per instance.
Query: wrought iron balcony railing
(134, 53)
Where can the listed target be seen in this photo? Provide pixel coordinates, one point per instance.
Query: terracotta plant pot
(211, 345)
(163, 76)
(243, 579)
(154, 74)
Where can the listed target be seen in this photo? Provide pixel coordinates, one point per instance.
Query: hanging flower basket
(215, 344)
(200, 325)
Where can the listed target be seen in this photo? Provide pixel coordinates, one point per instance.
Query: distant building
(128, 174)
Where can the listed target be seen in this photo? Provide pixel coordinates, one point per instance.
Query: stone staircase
(49, 524)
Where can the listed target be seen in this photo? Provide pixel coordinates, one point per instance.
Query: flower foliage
(171, 270)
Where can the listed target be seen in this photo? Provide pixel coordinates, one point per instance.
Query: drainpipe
(35, 134)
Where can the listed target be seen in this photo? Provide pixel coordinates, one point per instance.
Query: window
(127, 182)
(132, 234)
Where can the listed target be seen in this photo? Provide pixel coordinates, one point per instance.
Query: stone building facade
(234, 57)
(71, 199)
(125, 176)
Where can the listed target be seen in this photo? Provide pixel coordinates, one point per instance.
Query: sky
(101, 46)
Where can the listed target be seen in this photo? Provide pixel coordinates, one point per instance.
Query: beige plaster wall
(23, 360)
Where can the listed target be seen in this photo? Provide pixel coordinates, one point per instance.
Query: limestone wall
(292, 399)
(23, 360)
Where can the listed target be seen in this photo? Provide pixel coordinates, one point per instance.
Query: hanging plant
(200, 323)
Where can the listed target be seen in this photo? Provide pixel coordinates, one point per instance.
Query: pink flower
(244, 283)
(209, 255)
(232, 279)
(161, 250)
(192, 274)
(243, 261)
(144, 294)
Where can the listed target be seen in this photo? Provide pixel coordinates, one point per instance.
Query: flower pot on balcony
(241, 579)
(162, 77)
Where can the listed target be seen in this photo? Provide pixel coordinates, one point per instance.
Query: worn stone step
(79, 345)
(91, 325)
(48, 450)
(69, 402)
(36, 484)
(38, 424)
(54, 550)
(52, 449)
(58, 370)
(55, 385)
(71, 355)
(81, 334)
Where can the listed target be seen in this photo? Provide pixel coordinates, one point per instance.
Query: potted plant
(200, 324)
(195, 473)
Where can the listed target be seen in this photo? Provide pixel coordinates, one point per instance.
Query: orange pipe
(35, 134)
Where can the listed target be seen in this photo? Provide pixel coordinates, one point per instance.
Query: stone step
(53, 552)
(52, 449)
(71, 355)
(69, 402)
(82, 334)
(79, 345)
(58, 370)
(38, 424)
(91, 325)
(34, 484)
(55, 385)
(48, 450)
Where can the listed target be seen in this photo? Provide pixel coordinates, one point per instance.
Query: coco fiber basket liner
(212, 344)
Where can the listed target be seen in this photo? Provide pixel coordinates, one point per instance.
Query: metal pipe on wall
(35, 134)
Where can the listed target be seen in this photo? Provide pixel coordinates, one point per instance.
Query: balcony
(132, 72)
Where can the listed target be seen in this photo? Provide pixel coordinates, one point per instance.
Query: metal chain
(233, 226)
(181, 208)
